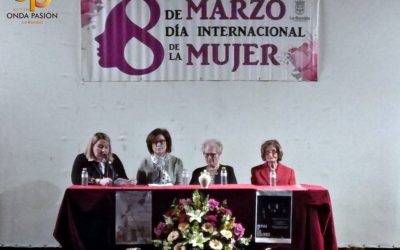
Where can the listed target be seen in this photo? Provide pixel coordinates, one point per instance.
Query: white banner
(163, 40)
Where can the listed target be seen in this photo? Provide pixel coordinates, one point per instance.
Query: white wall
(341, 132)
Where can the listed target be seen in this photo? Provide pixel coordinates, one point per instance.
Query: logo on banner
(300, 6)
(33, 12)
(34, 3)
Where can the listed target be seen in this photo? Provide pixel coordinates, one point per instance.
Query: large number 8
(119, 29)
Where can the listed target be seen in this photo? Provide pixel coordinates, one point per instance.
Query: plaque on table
(133, 211)
(273, 216)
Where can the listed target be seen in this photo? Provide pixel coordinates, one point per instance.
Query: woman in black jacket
(102, 165)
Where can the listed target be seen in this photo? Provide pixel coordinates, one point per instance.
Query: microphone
(108, 163)
(112, 169)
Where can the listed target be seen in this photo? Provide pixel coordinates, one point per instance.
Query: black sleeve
(119, 168)
(195, 177)
(141, 177)
(77, 170)
(231, 176)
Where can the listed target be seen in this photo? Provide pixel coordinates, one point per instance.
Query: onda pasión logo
(35, 3)
(30, 14)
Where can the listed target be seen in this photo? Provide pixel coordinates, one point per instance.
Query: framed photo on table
(273, 216)
(133, 214)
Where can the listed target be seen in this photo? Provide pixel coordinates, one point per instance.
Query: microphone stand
(112, 172)
(108, 166)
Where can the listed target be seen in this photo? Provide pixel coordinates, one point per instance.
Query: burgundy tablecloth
(86, 220)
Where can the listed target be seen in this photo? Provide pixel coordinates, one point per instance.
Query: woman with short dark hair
(160, 167)
(271, 153)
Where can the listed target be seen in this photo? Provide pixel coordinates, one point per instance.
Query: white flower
(207, 227)
(216, 244)
(173, 236)
(226, 233)
(165, 245)
(183, 227)
(179, 246)
(195, 215)
(198, 240)
(168, 221)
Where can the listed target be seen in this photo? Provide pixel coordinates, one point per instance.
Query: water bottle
(272, 177)
(185, 177)
(224, 176)
(84, 177)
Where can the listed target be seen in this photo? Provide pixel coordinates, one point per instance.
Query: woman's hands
(104, 182)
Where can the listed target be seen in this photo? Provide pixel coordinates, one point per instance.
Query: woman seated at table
(160, 167)
(212, 150)
(271, 153)
(102, 165)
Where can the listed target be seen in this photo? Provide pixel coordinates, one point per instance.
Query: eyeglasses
(212, 155)
(273, 152)
(159, 141)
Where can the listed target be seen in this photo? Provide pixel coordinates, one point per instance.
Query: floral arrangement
(200, 223)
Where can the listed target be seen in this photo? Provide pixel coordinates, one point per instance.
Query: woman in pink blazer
(271, 153)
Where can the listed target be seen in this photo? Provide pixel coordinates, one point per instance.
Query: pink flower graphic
(305, 61)
(89, 9)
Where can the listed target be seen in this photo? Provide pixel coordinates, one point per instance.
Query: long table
(86, 220)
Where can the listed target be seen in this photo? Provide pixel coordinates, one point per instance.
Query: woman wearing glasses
(271, 153)
(160, 167)
(212, 150)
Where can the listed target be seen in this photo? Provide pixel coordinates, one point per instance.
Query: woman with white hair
(212, 150)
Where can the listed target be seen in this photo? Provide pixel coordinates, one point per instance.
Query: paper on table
(160, 185)
(124, 182)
